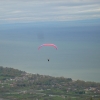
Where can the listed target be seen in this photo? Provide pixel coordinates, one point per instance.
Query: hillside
(19, 85)
(7, 73)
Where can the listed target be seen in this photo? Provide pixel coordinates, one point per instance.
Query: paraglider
(52, 45)
(47, 45)
(48, 59)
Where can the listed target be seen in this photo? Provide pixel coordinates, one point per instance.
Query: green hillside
(6, 73)
(19, 85)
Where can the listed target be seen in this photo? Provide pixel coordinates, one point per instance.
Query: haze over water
(73, 26)
(77, 57)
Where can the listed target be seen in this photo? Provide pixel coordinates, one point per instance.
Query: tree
(91, 98)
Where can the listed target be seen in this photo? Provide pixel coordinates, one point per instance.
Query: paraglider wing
(47, 45)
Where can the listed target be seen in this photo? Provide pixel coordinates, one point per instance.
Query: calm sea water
(77, 57)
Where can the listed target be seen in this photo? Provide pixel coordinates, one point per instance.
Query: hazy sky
(48, 10)
(72, 25)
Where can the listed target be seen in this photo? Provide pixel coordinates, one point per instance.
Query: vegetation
(6, 73)
(19, 85)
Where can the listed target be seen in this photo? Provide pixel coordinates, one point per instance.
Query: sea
(77, 55)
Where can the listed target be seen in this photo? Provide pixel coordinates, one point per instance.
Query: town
(20, 85)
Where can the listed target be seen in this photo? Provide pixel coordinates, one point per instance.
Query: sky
(48, 10)
(72, 25)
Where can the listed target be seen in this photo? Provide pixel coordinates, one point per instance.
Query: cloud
(48, 10)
